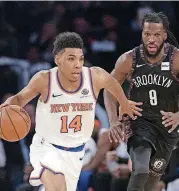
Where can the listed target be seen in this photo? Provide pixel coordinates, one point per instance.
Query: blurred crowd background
(27, 32)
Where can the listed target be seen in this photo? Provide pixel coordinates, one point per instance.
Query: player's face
(153, 38)
(71, 62)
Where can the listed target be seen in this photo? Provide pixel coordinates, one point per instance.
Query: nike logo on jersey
(56, 95)
(138, 66)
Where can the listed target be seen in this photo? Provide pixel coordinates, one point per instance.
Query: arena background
(108, 28)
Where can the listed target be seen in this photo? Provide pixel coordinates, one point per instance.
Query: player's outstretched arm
(33, 88)
(104, 80)
(122, 68)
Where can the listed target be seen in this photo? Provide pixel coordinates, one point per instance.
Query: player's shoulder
(96, 69)
(175, 54)
(98, 75)
(125, 60)
(98, 72)
(175, 59)
(176, 51)
(41, 78)
(43, 74)
(127, 56)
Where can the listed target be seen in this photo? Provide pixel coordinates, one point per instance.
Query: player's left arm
(170, 119)
(102, 79)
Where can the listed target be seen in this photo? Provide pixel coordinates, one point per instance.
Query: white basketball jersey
(67, 118)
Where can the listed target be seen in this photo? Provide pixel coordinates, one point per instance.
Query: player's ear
(57, 60)
(58, 57)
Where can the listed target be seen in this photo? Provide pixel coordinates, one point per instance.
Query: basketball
(14, 123)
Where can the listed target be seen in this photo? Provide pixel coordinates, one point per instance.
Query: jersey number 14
(74, 124)
(153, 97)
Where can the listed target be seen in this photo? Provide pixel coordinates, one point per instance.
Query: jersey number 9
(153, 97)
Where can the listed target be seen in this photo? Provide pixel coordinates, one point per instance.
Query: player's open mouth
(76, 74)
(152, 48)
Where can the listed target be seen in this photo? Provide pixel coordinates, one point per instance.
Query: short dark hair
(67, 40)
(161, 18)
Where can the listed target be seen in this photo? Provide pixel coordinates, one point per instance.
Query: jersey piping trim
(91, 83)
(171, 61)
(49, 86)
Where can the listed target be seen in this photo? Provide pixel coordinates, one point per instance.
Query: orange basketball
(14, 123)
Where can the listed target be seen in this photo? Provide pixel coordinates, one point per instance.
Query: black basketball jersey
(154, 84)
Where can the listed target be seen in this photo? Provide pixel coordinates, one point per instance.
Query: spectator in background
(36, 63)
(44, 40)
(4, 179)
(8, 45)
(82, 27)
(62, 17)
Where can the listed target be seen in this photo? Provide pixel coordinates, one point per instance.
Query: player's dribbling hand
(131, 108)
(170, 120)
(4, 105)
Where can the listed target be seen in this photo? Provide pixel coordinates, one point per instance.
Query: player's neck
(157, 58)
(66, 83)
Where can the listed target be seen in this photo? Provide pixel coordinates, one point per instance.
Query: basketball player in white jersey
(65, 113)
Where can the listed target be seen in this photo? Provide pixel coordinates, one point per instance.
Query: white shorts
(44, 155)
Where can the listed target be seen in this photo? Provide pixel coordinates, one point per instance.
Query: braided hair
(161, 18)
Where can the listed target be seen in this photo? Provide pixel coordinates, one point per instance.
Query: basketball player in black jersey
(153, 70)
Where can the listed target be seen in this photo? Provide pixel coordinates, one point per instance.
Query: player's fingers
(115, 137)
(163, 112)
(119, 133)
(166, 114)
(116, 133)
(137, 113)
(137, 108)
(3, 105)
(173, 128)
(131, 115)
(136, 103)
(167, 120)
(164, 117)
(169, 124)
(109, 136)
(118, 136)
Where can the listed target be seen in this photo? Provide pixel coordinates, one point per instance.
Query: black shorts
(154, 132)
(162, 143)
(159, 158)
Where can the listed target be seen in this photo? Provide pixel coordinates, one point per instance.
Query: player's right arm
(122, 68)
(35, 87)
